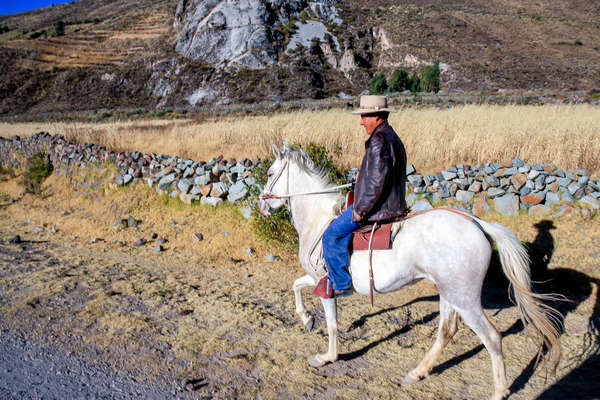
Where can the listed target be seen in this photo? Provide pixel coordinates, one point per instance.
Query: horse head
(277, 181)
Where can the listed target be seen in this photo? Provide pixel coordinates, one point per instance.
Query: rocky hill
(185, 54)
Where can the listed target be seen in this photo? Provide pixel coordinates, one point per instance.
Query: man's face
(370, 122)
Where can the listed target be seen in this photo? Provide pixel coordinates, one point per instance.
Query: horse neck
(311, 212)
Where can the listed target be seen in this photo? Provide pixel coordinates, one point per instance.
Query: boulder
(590, 201)
(480, 207)
(518, 180)
(533, 198)
(219, 189)
(237, 191)
(421, 205)
(213, 201)
(188, 198)
(540, 210)
(184, 185)
(463, 196)
(507, 205)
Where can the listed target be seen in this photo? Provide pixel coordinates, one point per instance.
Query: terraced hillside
(121, 53)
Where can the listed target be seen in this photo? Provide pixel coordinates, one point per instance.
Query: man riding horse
(379, 192)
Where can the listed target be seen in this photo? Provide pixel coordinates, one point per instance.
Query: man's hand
(355, 216)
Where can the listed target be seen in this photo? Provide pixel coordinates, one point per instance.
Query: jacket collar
(379, 128)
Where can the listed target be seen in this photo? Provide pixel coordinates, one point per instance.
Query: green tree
(59, 28)
(430, 80)
(399, 80)
(378, 84)
(414, 83)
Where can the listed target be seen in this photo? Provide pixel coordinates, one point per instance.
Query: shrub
(4, 29)
(378, 84)
(303, 16)
(59, 28)
(414, 83)
(39, 168)
(6, 172)
(277, 229)
(430, 80)
(399, 80)
(37, 34)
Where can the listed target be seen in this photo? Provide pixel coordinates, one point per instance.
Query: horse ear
(286, 147)
(275, 150)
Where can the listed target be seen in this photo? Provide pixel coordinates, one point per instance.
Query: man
(379, 193)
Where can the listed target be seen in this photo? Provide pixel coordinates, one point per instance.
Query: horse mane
(307, 165)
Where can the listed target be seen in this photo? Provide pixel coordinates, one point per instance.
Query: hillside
(159, 54)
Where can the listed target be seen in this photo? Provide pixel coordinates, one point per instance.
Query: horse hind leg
(300, 283)
(492, 341)
(447, 329)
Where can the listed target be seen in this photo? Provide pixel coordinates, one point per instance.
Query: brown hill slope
(120, 53)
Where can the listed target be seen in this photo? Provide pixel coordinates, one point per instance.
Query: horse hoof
(317, 361)
(310, 324)
(407, 380)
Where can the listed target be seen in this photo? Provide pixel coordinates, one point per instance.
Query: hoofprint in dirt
(45, 372)
(229, 329)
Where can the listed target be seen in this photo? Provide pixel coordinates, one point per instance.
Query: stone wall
(508, 188)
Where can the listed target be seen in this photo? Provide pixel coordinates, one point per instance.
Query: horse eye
(269, 174)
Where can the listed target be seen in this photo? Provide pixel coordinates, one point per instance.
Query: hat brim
(372, 111)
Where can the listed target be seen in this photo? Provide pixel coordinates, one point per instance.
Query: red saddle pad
(381, 237)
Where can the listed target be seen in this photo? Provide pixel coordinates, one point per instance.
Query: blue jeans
(335, 248)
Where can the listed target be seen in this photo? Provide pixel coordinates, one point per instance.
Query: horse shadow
(574, 286)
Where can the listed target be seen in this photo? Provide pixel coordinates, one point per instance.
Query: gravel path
(29, 371)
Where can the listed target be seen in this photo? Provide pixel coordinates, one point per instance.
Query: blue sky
(15, 6)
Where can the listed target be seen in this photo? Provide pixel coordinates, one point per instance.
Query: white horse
(451, 251)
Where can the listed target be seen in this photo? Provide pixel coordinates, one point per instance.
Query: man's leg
(335, 249)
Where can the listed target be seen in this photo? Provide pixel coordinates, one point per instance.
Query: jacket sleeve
(372, 180)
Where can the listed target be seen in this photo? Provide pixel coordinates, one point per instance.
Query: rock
(410, 169)
(237, 191)
(139, 242)
(246, 212)
(158, 249)
(552, 198)
(38, 229)
(518, 163)
(591, 201)
(131, 222)
(480, 207)
(583, 180)
(196, 190)
(475, 187)
(492, 181)
(15, 239)
(271, 257)
(202, 180)
(539, 210)
(495, 192)
(219, 189)
(518, 180)
(533, 174)
(165, 182)
(410, 199)
(566, 196)
(448, 175)
(573, 188)
(94, 240)
(421, 205)
(553, 187)
(566, 210)
(161, 240)
(533, 198)
(249, 251)
(564, 182)
(189, 171)
(507, 205)
(189, 198)
(581, 172)
(198, 237)
(463, 196)
(153, 236)
(184, 185)
(235, 34)
(213, 201)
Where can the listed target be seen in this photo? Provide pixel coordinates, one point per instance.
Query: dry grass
(566, 135)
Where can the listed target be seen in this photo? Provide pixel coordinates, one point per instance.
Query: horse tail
(534, 312)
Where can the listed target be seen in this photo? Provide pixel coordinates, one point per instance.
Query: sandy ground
(223, 325)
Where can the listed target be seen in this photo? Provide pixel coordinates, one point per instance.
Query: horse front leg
(330, 307)
(299, 284)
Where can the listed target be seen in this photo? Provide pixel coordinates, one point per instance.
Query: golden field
(565, 135)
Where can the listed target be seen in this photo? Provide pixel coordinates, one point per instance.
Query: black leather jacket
(380, 188)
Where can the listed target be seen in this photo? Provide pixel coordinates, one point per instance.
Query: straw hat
(373, 104)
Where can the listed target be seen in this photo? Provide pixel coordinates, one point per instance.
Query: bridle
(269, 188)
